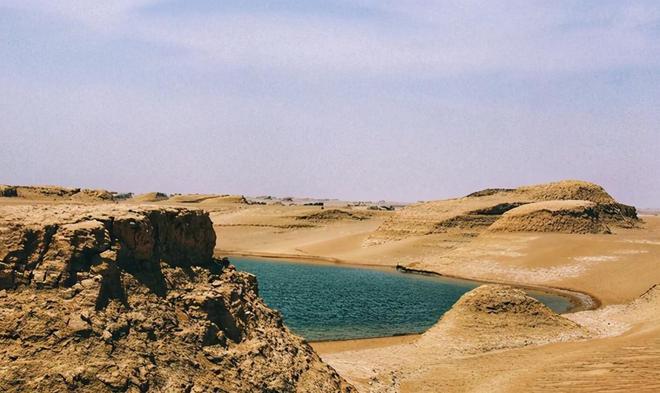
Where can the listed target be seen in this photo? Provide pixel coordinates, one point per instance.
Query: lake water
(333, 302)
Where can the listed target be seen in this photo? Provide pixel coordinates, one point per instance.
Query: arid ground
(569, 236)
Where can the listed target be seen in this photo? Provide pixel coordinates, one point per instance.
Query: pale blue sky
(398, 100)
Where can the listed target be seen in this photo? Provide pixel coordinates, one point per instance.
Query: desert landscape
(114, 292)
(329, 196)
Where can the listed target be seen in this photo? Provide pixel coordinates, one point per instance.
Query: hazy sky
(355, 99)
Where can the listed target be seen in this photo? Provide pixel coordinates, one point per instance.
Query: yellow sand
(617, 268)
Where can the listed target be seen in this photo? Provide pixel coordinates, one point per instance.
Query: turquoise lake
(335, 302)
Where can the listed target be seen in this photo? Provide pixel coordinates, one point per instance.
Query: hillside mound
(552, 216)
(56, 193)
(117, 299)
(474, 213)
(648, 303)
(567, 190)
(489, 191)
(150, 197)
(222, 199)
(493, 317)
(87, 195)
(207, 199)
(333, 215)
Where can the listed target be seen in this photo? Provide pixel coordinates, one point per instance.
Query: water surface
(333, 302)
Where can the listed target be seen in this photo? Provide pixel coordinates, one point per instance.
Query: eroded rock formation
(333, 215)
(56, 193)
(150, 197)
(476, 212)
(115, 299)
(493, 317)
(553, 216)
(8, 191)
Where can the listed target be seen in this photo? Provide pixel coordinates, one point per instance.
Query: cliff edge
(118, 299)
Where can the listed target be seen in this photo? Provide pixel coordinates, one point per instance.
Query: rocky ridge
(150, 197)
(478, 211)
(56, 193)
(115, 299)
(552, 216)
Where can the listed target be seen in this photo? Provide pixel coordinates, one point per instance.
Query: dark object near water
(224, 262)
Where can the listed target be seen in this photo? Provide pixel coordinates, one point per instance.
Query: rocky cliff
(117, 299)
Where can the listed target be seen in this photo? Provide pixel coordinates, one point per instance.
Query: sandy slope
(616, 268)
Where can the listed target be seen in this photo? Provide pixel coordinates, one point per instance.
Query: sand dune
(568, 235)
(478, 211)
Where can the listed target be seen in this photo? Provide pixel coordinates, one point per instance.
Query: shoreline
(580, 300)
(333, 346)
(316, 259)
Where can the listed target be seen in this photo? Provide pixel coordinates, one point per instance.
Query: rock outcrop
(207, 199)
(55, 193)
(225, 199)
(566, 190)
(493, 317)
(119, 299)
(333, 215)
(476, 212)
(8, 191)
(150, 197)
(552, 216)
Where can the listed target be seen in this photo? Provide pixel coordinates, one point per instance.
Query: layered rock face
(115, 299)
(553, 216)
(476, 212)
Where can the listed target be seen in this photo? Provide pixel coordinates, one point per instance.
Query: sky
(359, 100)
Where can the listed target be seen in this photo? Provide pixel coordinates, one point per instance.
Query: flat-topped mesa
(478, 211)
(114, 298)
(566, 190)
(56, 193)
(493, 317)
